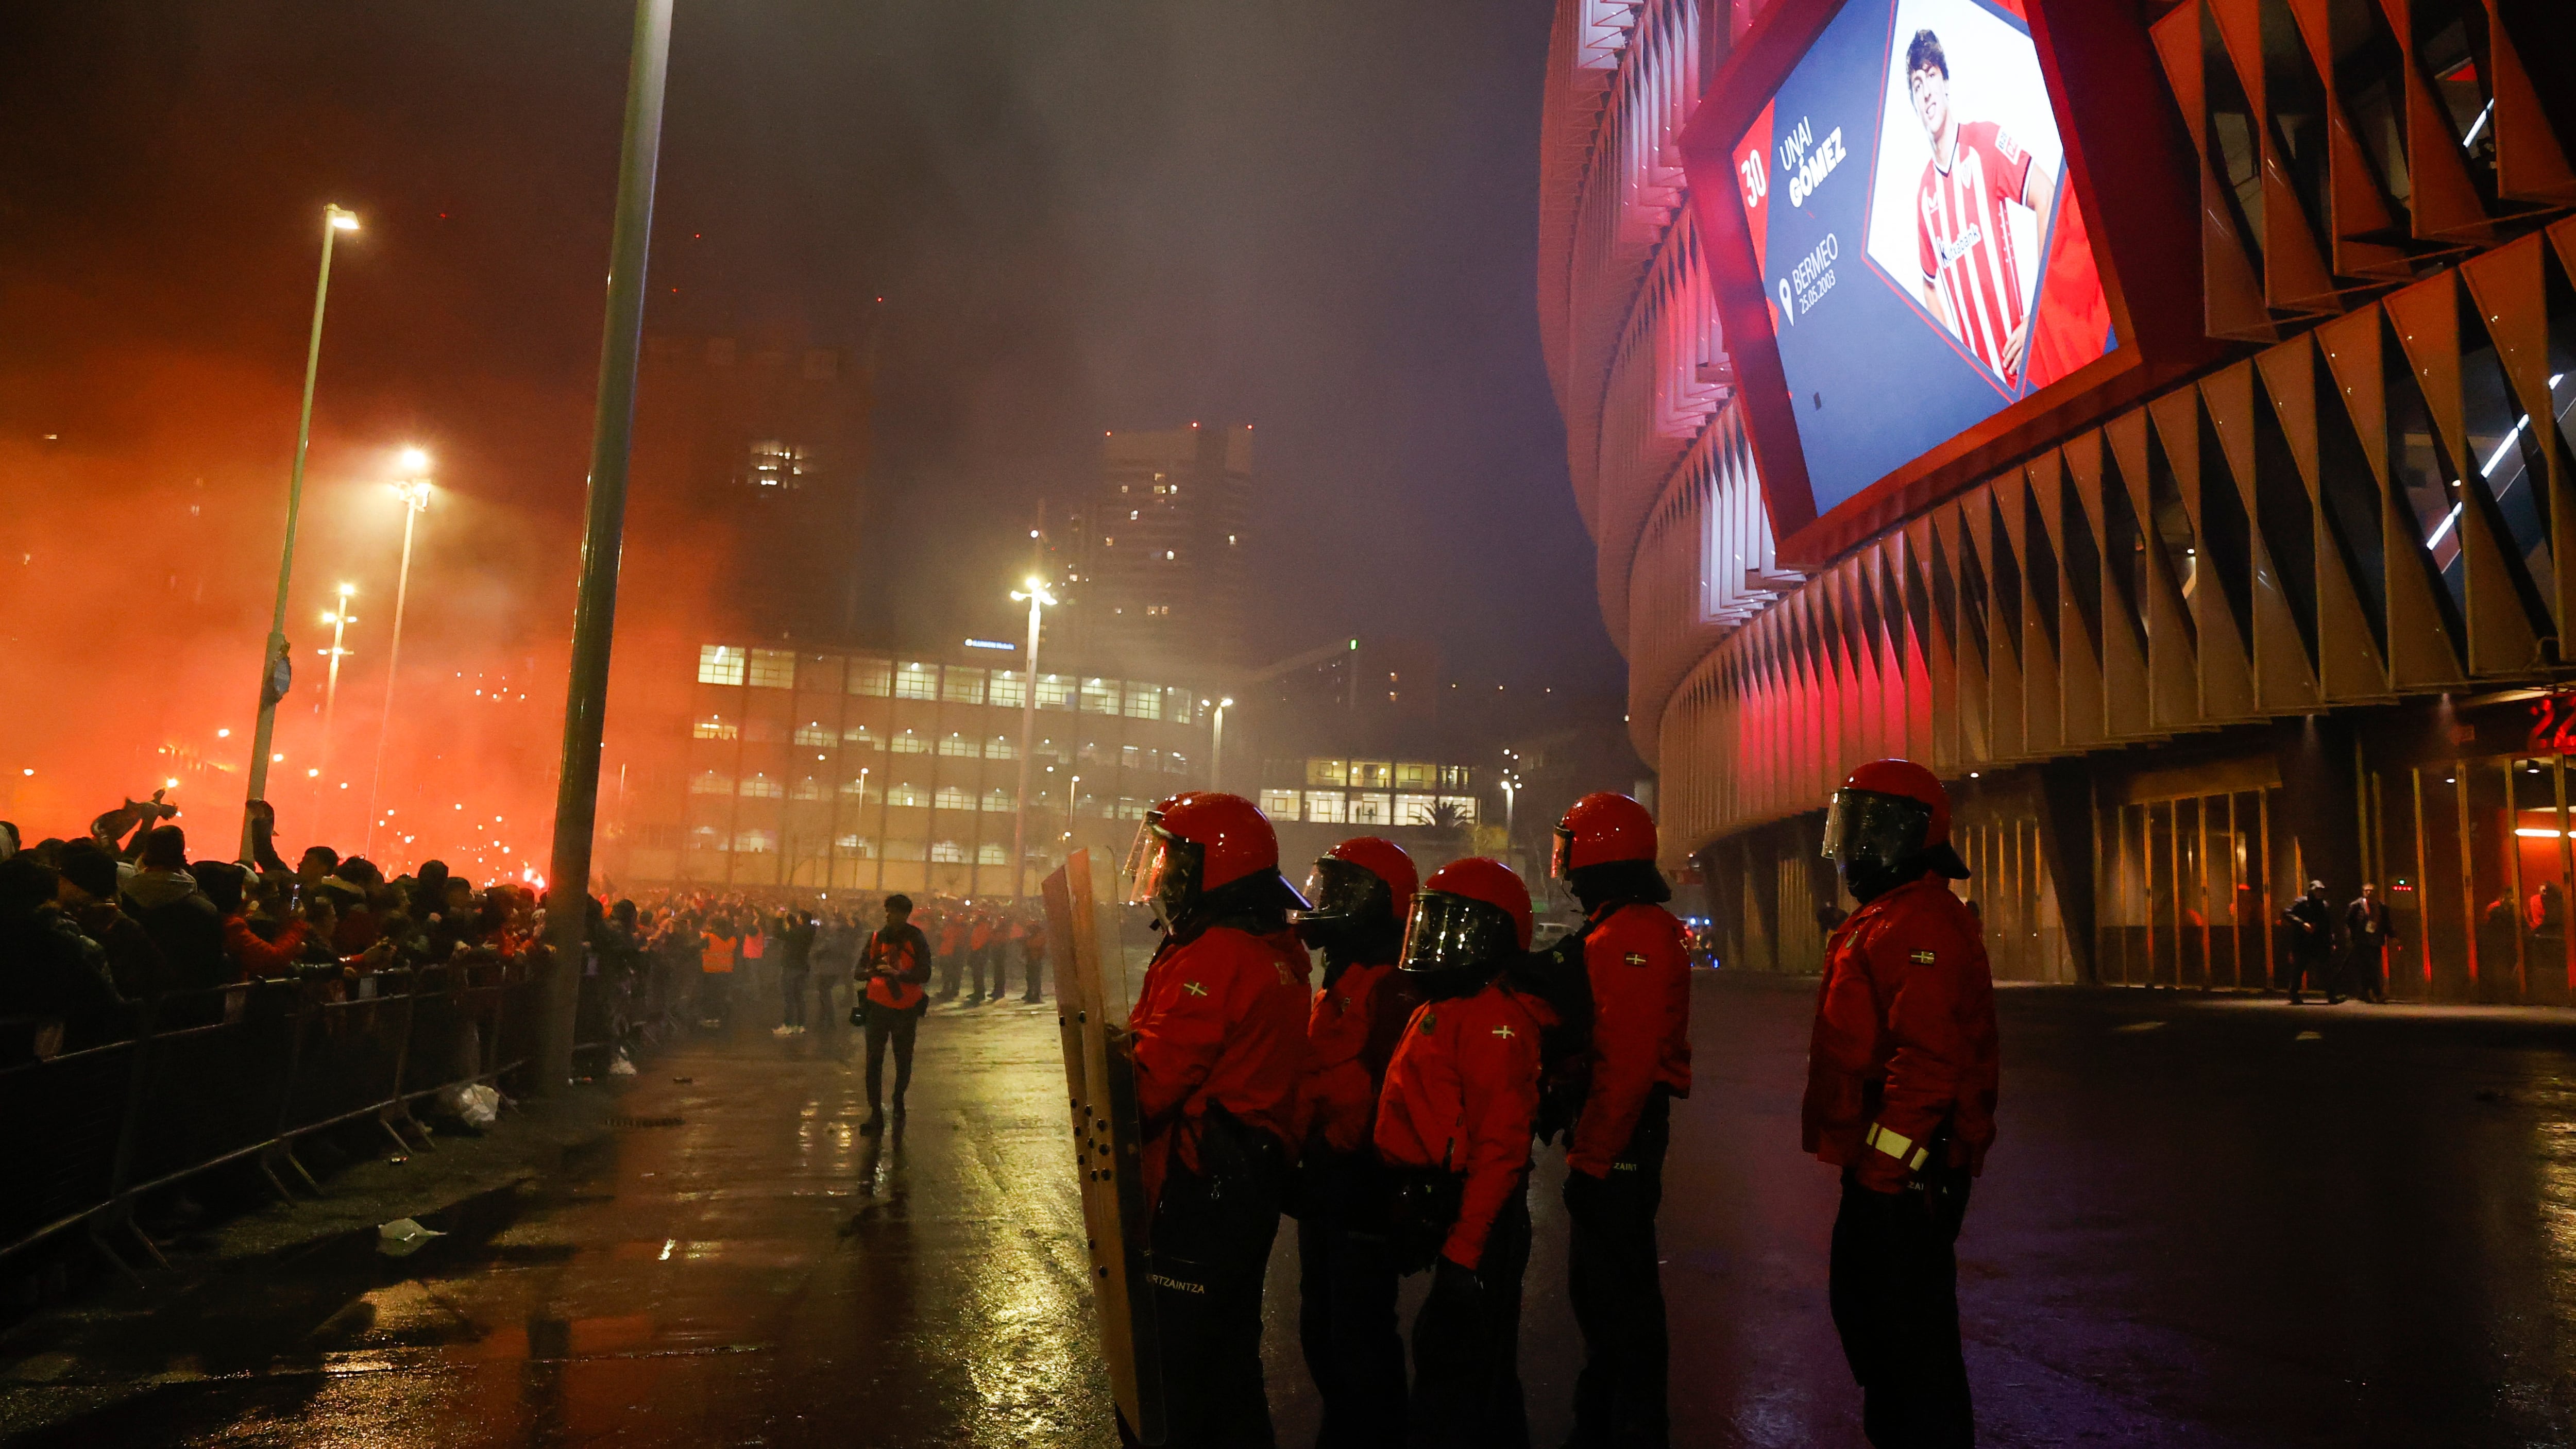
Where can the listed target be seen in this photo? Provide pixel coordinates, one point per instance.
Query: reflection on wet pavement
(2210, 1234)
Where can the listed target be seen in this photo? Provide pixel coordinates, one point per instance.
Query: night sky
(1315, 216)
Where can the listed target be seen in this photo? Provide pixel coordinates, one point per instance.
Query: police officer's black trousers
(885, 1026)
(1895, 1293)
(1346, 1304)
(1466, 1353)
(1618, 1292)
(1211, 1248)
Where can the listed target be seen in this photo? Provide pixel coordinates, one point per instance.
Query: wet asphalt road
(2204, 1232)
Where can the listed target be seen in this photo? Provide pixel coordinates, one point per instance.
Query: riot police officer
(1636, 959)
(1453, 1126)
(1218, 1039)
(1901, 1078)
(1362, 889)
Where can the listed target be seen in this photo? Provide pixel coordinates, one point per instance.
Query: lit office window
(858, 845)
(808, 788)
(905, 795)
(953, 797)
(1131, 809)
(719, 664)
(1413, 809)
(1328, 772)
(1415, 775)
(1456, 777)
(909, 743)
(776, 466)
(708, 782)
(1371, 774)
(773, 668)
(1009, 689)
(1099, 696)
(866, 792)
(871, 677)
(1279, 804)
(1144, 701)
(858, 738)
(958, 747)
(761, 787)
(1000, 747)
(814, 734)
(948, 852)
(997, 801)
(992, 852)
(715, 727)
(1328, 806)
(1176, 705)
(1372, 809)
(1055, 691)
(916, 681)
(756, 842)
(1465, 805)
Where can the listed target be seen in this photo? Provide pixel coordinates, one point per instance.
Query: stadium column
(595, 609)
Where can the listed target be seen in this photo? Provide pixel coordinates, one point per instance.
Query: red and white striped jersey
(1967, 241)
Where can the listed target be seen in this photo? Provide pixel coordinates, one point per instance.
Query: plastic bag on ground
(473, 1103)
(403, 1237)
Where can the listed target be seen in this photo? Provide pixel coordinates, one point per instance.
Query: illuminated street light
(275, 671)
(339, 618)
(1035, 595)
(414, 492)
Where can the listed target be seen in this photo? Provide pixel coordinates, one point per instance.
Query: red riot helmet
(1196, 843)
(1602, 828)
(1470, 918)
(1888, 815)
(1362, 890)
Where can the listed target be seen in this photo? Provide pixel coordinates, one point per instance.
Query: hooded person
(1362, 891)
(89, 895)
(1902, 1071)
(1218, 1040)
(183, 924)
(1634, 1061)
(1454, 1127)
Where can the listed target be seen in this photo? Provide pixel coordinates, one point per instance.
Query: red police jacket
(1351, 1031)
(1638, 959)
(1220, 1023)
(1462, 1096)
(1904, 1042)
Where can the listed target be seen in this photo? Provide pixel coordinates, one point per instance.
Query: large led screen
(1925, 260)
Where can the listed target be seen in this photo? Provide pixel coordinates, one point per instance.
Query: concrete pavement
(2201, 1226)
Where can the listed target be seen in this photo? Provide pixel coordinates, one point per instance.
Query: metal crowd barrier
(199, 1079)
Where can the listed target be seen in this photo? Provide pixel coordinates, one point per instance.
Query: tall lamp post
(339, 619)
(274, 669)
(414, 493)
(1216, 746)
(1036, 596)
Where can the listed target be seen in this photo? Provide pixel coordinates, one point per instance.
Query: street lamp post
(1036, 596)
(274, 669)
(1216, 747)
(339, 619)
(414, 494)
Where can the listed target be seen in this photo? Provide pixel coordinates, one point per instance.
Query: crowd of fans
(95, 927)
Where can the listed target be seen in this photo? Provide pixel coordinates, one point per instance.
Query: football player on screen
(1971, 273)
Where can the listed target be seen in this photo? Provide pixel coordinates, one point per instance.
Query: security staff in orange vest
(717, 950)
(1454, 1125)
(891, 969)
(1363, 890)
(1636, 958)
(1901, 1078)
(1218, 1038)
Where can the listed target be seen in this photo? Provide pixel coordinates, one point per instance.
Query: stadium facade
(2154, 416)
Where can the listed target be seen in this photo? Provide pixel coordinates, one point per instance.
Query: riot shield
(1109, 1150)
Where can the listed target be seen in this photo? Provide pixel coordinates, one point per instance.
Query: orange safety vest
(886, 991)
(716, 954)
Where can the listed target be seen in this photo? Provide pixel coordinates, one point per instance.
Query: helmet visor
(1162, 870)
(1866, 825)
(1449, 932)
(1342, 891)
(1560, 859)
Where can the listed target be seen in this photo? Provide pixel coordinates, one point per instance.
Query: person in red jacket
(1454, 1124)
(1901, 1078)
(1218, 1040)
(1636, 959)
(1362, 890)
(890, 971)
